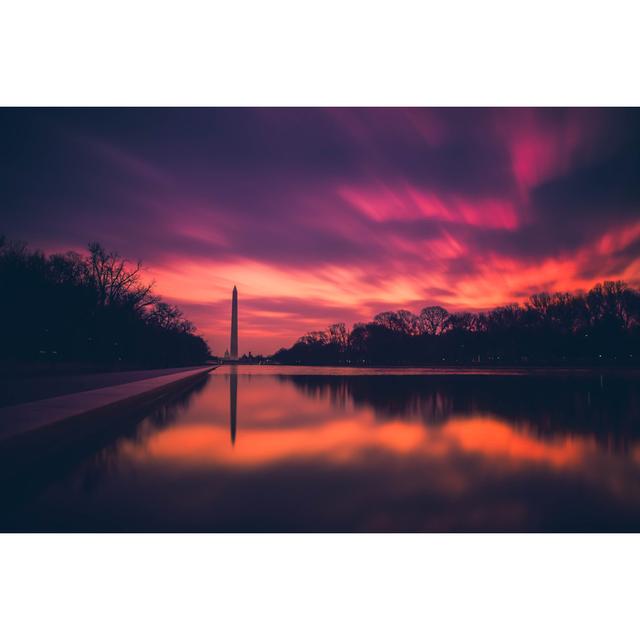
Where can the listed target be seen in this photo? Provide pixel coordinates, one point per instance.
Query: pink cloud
(541, 149)
(405, 202)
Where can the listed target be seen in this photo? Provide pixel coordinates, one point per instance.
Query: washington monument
(234, 324)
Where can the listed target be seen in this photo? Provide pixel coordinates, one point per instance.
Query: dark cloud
(414, 202)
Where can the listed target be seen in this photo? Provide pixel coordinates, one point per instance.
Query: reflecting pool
(265, 448)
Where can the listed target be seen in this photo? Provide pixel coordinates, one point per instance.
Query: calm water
(308, 449)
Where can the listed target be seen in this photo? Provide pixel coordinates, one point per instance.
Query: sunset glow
(320, 216)
(346, 440)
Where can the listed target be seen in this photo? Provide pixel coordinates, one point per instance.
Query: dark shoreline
(608, 368)
(18, 389)
(20, 452)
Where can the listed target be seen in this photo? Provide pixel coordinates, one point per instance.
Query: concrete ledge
(31, 416)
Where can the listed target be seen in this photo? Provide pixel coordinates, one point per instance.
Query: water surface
(257, 448)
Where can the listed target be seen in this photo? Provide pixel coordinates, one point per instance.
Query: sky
(327, 215)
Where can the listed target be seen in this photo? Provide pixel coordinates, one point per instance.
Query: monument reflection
(233, 402)
(336, 450)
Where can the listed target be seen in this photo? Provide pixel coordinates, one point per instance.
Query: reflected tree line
(599, 326)
(91, 308)
(606, 408)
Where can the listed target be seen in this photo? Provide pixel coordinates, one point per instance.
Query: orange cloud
(312, 299)
(343, 439)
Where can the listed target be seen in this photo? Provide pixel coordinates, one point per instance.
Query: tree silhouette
(91, 309)
(600, 326)
(116, 282)
(434, 320)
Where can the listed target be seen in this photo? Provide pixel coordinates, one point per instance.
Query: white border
(329, 53)
(335, 52)
(312, 586)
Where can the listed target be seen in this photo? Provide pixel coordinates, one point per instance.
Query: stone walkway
(19, 388)
(29, 416)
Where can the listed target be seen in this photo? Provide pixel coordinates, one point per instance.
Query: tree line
(595, 327)
(92, 308)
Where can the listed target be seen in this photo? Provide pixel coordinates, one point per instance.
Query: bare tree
(116, 282)
(408, 322)
(339, 335)
(165, 316)
(613, 301)
(401, 321)
(434, 321)
(359, 336)
(539, 303)
(315, 338)
(465, 321)
(69, 268)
